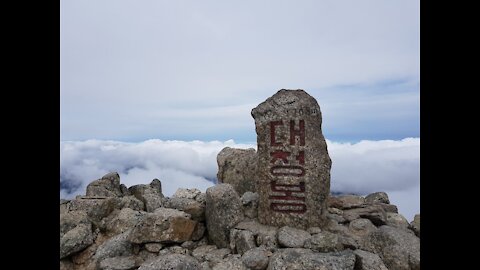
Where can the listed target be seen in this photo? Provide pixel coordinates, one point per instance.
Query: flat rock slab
(293, 168)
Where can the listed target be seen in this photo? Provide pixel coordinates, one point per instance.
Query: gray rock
(201, 252)
(244, 241)
(231, 263)
(293, 161)
(76, 240)
(389, 208)
(131, 202)
(63, 206)
(333, 210)
(187, 193)
(346, 202)
(415, 225)
(151, 195)
(250, 204)
(324, 242)
(70, 220)
(397, 220)
(114, 247)
(178, 250)
(223, 212)
(96, 208)
(374, 213)
(153, 247)
(118, 263)
(107, 186)
(122, 221)
(368, 261)
(199, 231)
(238, 168)
(399, 249)
(314, 230)
(304, 259)
(189, 245)
(172, 261)
(217, 256)
(165, 225)
(66, 264)
(377, 197)
(256, 258)
(190, 206)
(292, 237)
(265, 235)
(361, 227)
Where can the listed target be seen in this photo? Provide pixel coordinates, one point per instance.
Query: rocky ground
(118, 228)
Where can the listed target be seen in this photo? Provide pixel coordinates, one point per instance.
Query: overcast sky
(185, 70)
(179, 71)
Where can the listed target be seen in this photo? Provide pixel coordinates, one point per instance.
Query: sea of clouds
(359, 168)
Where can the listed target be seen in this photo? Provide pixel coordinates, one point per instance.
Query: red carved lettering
(279, 155)
(287, 207)
(273, 141)
(297, 132)
(287, 170)
(301, 157)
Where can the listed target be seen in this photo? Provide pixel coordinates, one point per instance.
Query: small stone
(223, 212)
(324, 242)
(118, 263)
(346, 202)
(374, 213)
(368, 261)
(153, 247)
(172, 261)
(256, 258)
(238, 168)
(107, 186)
(361, 227)
(314, 230)
(231, 263)
(415, 225)
(399, 249)
(250, 204)
(292, 237)
(397, 220)
(201, 252)
(377, 197)
(244, 241)
(189, 245)
(186, 193)
(114, 247)
(165, 225)
(76, 240)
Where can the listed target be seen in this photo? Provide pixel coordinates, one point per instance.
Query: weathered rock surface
(415, 225)
(75, 240)
(256, 258)
(118, 263)
(165, 225)
(293, 169)
(368, 261)
(115, 247)
(346, 202)
(223, 212)
(187, 205)
(292, 237)
(377, 197)
(324, 242)
(107, 186)
(238, 167)
(151, 195)
(250, 204)
(304, 259)
(399, 249)
(172, 261)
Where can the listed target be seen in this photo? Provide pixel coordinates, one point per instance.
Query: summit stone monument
(293, 162)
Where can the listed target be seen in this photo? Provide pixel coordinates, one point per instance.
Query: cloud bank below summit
(361, 168)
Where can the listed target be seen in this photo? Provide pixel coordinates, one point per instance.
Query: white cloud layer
(361, 168)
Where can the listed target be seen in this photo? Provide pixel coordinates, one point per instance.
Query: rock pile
(272, 210)
(118, 228)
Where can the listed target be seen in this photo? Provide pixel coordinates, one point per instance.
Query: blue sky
(179, 71)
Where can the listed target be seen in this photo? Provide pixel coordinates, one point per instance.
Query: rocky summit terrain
(272, 209)
(118, 228)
